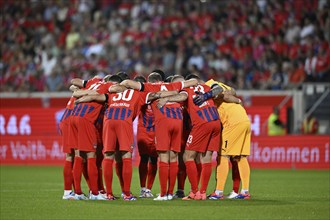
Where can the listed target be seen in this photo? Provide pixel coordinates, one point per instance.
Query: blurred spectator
(275, 125)
(235, 41)
(54, 82)
(310, 125)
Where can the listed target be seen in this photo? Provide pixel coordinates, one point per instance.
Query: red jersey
(91, 110)
(68, 109)
(125, 105)
(204, 113)
(171, 110)
(146, 118)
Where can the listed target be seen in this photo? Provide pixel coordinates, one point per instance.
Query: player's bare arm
(231, 99)
(79, 93)
(117, 88)
(92, 98)
(73, 88)
(215, 92)
(130, 84)
(231, 91)
(190, 83)
(181, 97)
(161, 94)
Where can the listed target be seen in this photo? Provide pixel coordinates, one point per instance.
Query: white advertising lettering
(15, 125)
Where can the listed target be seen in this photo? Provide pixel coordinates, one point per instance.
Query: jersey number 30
(125, 96)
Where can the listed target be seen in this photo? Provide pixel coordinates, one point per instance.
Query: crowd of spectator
(248, 44)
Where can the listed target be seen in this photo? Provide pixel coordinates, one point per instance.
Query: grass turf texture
(28, 192)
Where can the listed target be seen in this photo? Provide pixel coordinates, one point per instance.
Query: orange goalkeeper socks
(222, 173)
(244, 171)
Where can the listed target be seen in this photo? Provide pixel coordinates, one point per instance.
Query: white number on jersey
(125, 96)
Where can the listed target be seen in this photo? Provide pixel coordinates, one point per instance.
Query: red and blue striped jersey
(68, 109)
(171, 110)
(204, 113)
(146, 118)
(91, 110)
(125, 105)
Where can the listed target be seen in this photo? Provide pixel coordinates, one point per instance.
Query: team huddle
(181, 122)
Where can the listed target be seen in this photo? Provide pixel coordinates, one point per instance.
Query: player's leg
(109, 149)
(127, 174)
(107, 166)
(99, 160)
(93, 176)
(182, 175)
(162, 142)
(189, 159)
(119, 170)
(77, 173)
(244, 171)
(236, 179)
(152, 171)
(221, 176)
(206, 161)
(143, 172)
(163, 173)
(242, 163)
(172, 174)
(199, 167)
(67, 176)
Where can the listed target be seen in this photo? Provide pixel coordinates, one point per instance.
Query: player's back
(204, 113)
(91, 110)
(171, 110)
(125, 105)
(230, 113)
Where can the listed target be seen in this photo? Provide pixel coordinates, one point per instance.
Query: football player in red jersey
(67, 149)
(122, 108)
(84, 133)
(204, 137)
(168, 130)
(147, 148)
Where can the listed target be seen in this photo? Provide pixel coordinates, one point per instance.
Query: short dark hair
(160, 72)
(140, 79)
(169, 79)
(191, 76)
(115, 78)
(123, 75)
(154, 77)
(176, 77)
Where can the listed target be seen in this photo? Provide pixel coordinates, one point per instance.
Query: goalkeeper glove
(202, 97)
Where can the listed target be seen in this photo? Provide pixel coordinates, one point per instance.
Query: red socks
(205, 176)
(127, 175)
(191, 173)
(108, 174)
(163, 177)
(67, 175)
(152, 171)
(93, 175)
(172, 177)
(119, 172)
(235, 176)
(76, 173)
(143, 172)
(199, 171)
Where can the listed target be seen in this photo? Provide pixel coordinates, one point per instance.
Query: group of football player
(181, 122)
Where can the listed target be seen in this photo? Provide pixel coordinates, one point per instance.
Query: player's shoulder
(212, 83)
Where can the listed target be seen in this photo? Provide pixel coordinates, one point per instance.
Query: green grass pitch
(28, 192)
